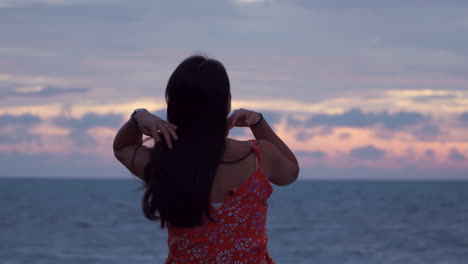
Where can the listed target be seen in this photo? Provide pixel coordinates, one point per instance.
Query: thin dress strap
(256, 149)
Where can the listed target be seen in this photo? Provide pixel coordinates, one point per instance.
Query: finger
(233, 122)
(233, 118)
(172, 131)
(233, 114)
(172, 125)
(155, 135)
(167, 136)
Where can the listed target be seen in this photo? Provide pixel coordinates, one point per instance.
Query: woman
(210, 191)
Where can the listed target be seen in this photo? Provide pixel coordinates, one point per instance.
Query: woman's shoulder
(238, 144)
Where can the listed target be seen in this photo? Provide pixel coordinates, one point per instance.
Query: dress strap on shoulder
(254, 144)
(256, 149)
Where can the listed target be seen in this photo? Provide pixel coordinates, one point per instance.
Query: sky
(358, 89)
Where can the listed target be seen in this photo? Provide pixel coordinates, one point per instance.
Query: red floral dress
(239, 234)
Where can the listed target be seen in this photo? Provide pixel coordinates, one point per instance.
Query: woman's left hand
(150, 125)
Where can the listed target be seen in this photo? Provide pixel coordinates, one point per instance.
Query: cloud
(249, 1)
(367, 153)
(24, 3)
(356, 118)
(294, 122)
(427, 132)
(423, 67)
(456, 155)
(79, 126)
(344, 136)
(20, 128)
(336, 4)
(311, 154)
(309, 134)
(430, 129)
(271, 117)
(463, 117)
(90, 120)
(26, 119)
(418, 94)
(431, 99)
(429, 153)
(43, 91)
(20, 136)
(327, 173)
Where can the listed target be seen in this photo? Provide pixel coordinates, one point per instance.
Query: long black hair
(178, 182)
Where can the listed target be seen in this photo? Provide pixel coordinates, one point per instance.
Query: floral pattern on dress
(243, 244)
(200, 252)
(224, 257)
(238, 235)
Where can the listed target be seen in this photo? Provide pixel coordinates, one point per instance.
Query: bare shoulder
(237, 145)
(236, 148)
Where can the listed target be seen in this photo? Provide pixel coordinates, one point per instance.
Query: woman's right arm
(263, 131)
(277, 155)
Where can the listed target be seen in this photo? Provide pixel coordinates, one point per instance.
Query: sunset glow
(342, 86)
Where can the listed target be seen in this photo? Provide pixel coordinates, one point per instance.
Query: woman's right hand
(242, 118)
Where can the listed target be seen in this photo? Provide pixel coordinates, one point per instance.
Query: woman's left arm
(128, 148)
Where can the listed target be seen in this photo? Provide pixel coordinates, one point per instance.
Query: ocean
(47, 221)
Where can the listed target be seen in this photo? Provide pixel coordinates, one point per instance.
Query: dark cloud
(101, 30)
(307, 135)
(337, 4)
(327, 173)
(464, 117)
(91, 11)
(26, 119)
(20, 136)
(345, 135)
(429, 153)
(367, 153)
(22, 125)
(79, 126)
(427, 132)
(46, 91)
(292, 122)
(430, 129)
(356, 118)
(430, 99)
(311, 154)
(90, 120)
(456, 155)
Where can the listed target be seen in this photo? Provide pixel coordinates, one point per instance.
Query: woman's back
(239, 162)
(197, 123)
(238, 232)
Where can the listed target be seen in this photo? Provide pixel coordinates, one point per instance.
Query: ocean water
(100, 221)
